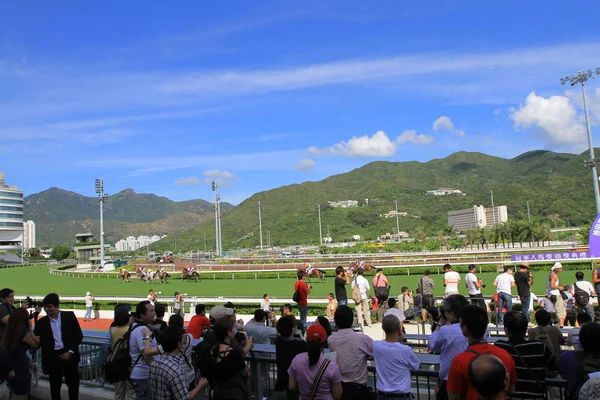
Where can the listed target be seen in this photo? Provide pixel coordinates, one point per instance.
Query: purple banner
(565, 255)
(594, 239)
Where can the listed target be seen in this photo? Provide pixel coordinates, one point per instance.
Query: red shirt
(458, 377)
(302, 290)
(197, 325)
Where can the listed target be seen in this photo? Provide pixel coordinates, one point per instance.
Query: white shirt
(452, 279)
(585, 286)
(149, 297)
(471, 280)
(56, 325)
(363, 285)
(265, 305)
(504, 282)
(176, 304)
(393, 362)
(88, 301)
(533, 298)
(553, 292)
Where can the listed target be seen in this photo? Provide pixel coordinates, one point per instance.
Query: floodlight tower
(582, 77)
(260, 224)
(217, 222)
(101, 197)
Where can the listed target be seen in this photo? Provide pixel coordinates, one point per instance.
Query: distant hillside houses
(393, 213)
(132, 243)
(444, 192)
(343, 203)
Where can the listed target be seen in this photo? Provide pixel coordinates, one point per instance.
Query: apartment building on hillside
(478, 216)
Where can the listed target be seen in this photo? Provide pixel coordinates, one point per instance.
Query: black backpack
(204, 360)
(582, 298)
(117, 366)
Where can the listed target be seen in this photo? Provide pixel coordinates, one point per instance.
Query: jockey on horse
(124, 274)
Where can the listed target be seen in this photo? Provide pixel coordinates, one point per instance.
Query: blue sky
(163, 98)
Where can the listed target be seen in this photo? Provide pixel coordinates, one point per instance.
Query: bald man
(489, 377)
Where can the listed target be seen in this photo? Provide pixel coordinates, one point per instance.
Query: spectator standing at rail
(473, 324)
(551, 336)
(405, 300)
(342, 278)
(426, 284)
(89, 303)
(287, 309)
(583, 290)
(554, 290)
(451, 281)
(7, 299)
(504, 284)
(286, 348)
(474, 285)
(449, 340)
(260, 333)
(524, 280)
(265, 303)
(303, 291)
(362, 309)
(393, 361)
(151, 297)
(532, 358)
(352, 352)
(198, 322)
(381, 287)
(177, 303)
(60, 336)
(332, 305)
(118, 328)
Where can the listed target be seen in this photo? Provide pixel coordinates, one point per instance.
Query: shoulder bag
(320, 373)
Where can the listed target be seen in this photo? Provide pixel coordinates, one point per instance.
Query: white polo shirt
(504, 282)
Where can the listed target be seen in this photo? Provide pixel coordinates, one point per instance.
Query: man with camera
(7, 299)
(178, 303)
(524, 280)
(152, 298)
(303, 291)
(474, 284)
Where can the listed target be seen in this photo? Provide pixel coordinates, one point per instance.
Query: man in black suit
(60, 337)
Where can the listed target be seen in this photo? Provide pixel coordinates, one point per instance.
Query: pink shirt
(380, 281)
(305, 375)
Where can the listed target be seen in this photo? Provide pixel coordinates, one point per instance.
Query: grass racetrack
(36, 281)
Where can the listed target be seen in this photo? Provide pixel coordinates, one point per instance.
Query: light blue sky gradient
(163, 97)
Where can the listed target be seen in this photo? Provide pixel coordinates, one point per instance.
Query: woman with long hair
(230, 368)
(17, 339)
(312, 372)
(118, 328)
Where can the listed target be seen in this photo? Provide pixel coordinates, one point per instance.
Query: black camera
(483, 285)
(33, 304)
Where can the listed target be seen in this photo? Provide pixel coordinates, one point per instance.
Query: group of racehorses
(151, 276)
(319, 273)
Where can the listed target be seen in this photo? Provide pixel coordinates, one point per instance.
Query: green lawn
(35, 280)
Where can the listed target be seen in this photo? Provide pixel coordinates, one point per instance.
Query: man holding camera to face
(474, 284)
(7, 299)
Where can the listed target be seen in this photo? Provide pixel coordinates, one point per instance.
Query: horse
(163, 276)
(125, 275)
(139, 270)
(354, 266)
(190, 274)
(319, 273)
(149, 276)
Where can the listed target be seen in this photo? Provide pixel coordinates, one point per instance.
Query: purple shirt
(547, 304)
(352, 350)
(305, 375)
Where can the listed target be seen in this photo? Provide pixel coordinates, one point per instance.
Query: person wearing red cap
(311, 372)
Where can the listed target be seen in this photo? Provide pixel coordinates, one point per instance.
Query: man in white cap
(88, 306)
(554, 290)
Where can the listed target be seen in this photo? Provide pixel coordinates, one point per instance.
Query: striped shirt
(533, 354)
(167, 379)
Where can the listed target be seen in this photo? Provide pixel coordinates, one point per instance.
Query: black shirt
(285, 351)
(340, 289)
(522, 281)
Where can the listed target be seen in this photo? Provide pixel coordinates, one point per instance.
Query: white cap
(88, 293)
(556, 265)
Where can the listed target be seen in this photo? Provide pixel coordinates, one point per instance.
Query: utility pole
(582, 77)
(217, 221)
(260, 224)
(397, 220)
(493, 208)
(205, 242)
(528, 213)
(101, 197)
(320, 231)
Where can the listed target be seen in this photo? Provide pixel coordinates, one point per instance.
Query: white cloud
(444, 123)
(305, 165)
(555, 118)
(192, 180)
(222, 178)
(411, 136)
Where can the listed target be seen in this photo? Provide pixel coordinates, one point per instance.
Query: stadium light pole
(581, 78)
(320, 230)
(260, 225)
(217, 227)
(101, 197)
(397, 220)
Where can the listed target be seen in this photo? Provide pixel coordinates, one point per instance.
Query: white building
(393, 213)
(29, 229)
(444, 192)
(132, 243)
(343, 203)
(11, 216)
(478, 216)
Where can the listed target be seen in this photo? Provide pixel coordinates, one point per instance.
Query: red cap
(316, 332)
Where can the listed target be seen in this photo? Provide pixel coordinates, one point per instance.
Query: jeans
(588, 309)
(503, 299)
(525, 303)
(142, 388)
(303, 313)
(477, 299)
(88, 313)
(343, 302)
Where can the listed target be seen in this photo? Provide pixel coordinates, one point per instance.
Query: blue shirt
(449, 342)
(140, 370)
(393, 362)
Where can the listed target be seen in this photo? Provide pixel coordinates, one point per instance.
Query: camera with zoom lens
(483, 285)
(33, 304)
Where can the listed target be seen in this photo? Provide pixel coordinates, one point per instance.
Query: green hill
(555, 184)
(60, 214)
